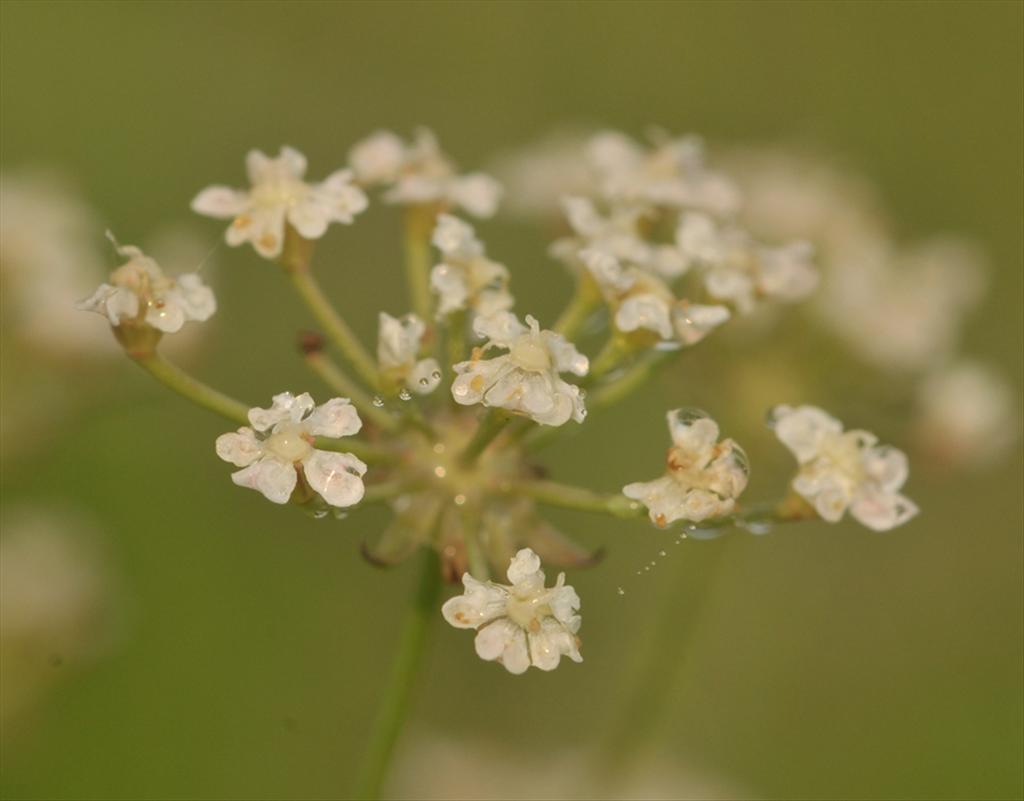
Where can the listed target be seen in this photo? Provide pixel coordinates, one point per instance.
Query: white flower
(139, 292)
(398, 346)
(844, 470)
(618, 234)
(903, 308)
(271, 462)
(526, 379)
(641, 300)
(523, 624)
(704, 476)
(537, 176)
(419, 173)
(966, 414)
(466, 278)
(670, 174)
(278, 196)
(738, 269)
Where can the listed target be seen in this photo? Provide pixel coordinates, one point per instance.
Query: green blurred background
(250, 641)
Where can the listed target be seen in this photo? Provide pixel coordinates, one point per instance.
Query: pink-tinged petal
(478, 605)
(337, 477)
(275, 480)
(801, 429)
(882, 511)
(285, 407)
(241, 447)
(336, 418)
(220, 202)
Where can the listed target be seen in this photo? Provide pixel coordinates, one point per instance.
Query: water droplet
(653, 564)
(438, 447)
(339, 514)
(647, 568)
(378, 401)
(424, 382)
(319, 514)
(662, 553)
(620, 591)
(436, 375)
(668, 345)
(405, 395)
(460, 499)
(758, 527)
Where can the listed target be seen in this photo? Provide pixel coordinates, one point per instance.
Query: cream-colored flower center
(843, 452)
(289, 443)
(528, 609)
(529, 353)
(279, 192)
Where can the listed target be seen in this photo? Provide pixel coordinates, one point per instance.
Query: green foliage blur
(250, 642)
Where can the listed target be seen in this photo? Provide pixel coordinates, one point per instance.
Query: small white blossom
(704, 476)
(526, 379)
(619, 234)
(844, 470)
(641, 300)
(398, 347)
(420, 173)
(966, 414)
(140, 292)
(271, 462)
(539, 175)
(466, 278)
(523, 624)
(739, 270)
(280, 196)
(670, 174)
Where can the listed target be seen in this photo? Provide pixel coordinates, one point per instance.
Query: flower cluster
(655, 238)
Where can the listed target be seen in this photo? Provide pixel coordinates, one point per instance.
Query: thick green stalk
(397, 694)
(419, 221)
(173, 377)
(584, 300)
(567, 497)
(334, 326)
(490, 427)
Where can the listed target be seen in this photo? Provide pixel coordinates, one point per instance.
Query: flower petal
(336, 418)
(274, 479)
(337, 477)
(241, 447)
(220, 202)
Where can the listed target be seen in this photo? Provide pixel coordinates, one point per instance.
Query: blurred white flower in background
(280, 195)
(419, 173)
(55, 596)
(966, 415)
(437, 766)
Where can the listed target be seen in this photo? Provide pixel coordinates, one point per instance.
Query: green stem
(419, 221)
(568, 497)
(456, 337)
(608, 359)
(665, 649)
(397, 694)
(493, 424)
(631, 380)
(332, 375)
(585, 298)
(173, 377)
(334, 326)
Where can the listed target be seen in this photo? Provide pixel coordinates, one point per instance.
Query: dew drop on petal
(436, 375)
(405, 395)
(378, 401)
(319, 514)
